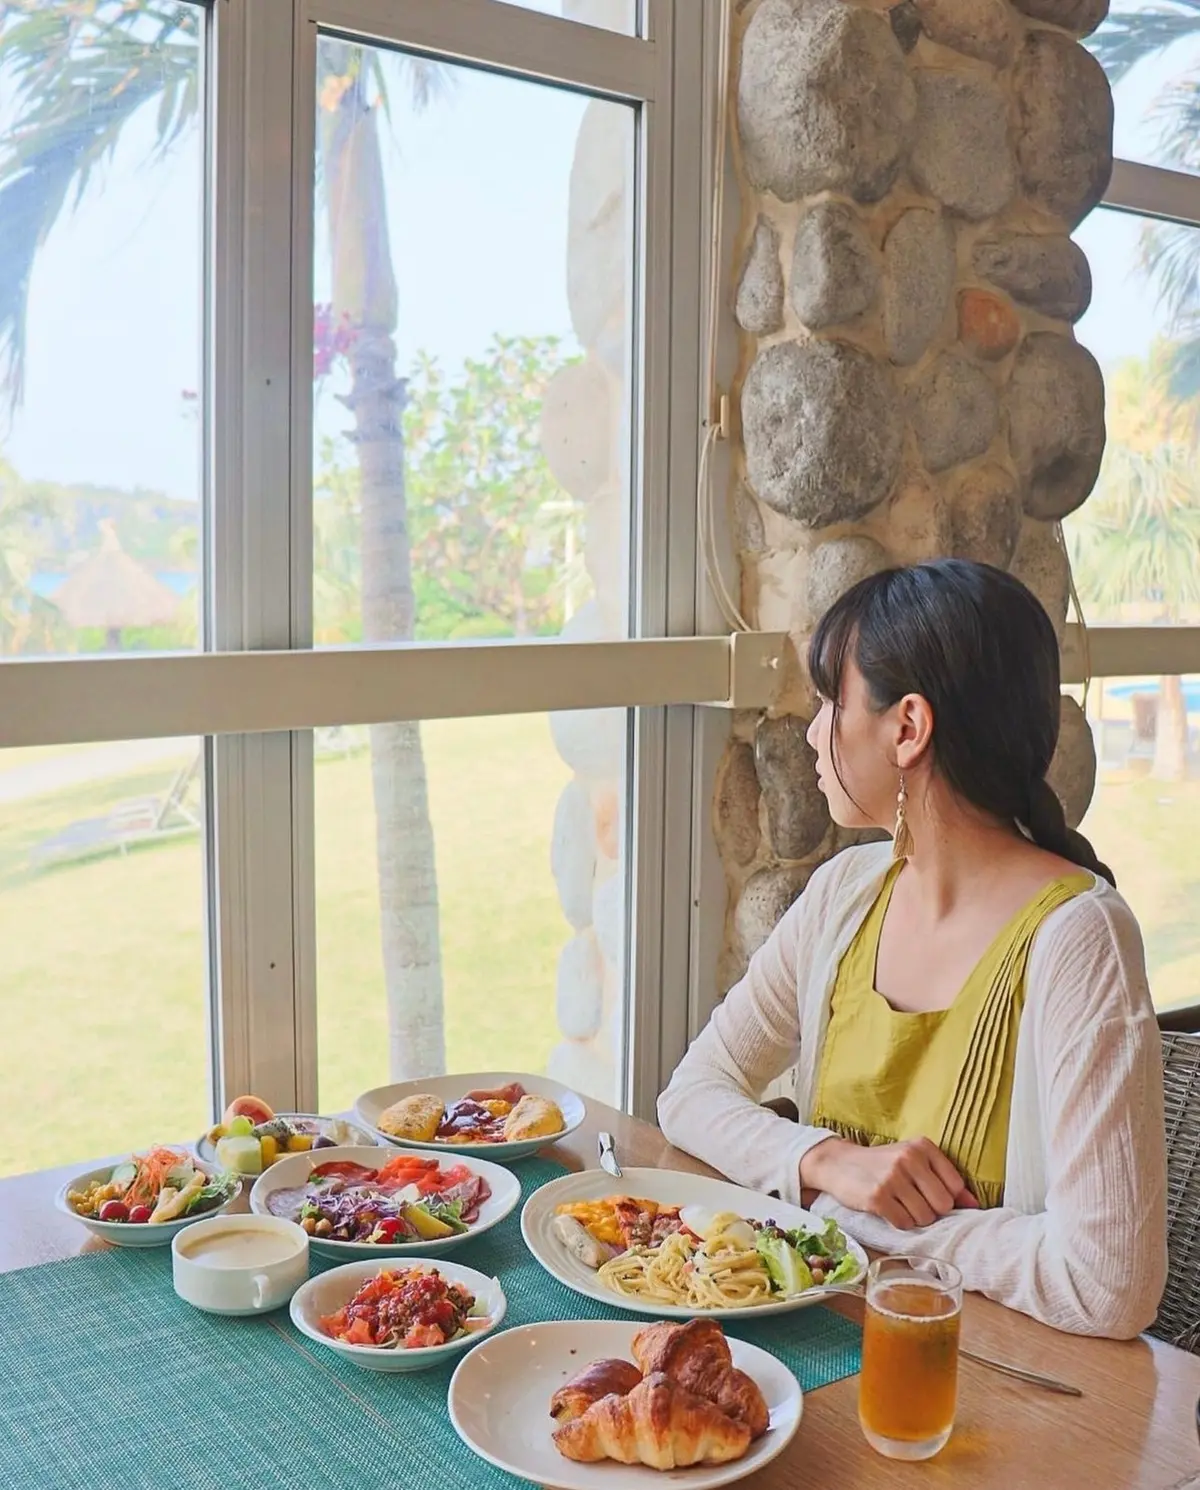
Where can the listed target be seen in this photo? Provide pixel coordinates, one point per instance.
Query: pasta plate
(667, 1188)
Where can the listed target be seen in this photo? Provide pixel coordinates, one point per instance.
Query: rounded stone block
(597, 227)
(837, 566)
(604, 539)
(1063, 125)
(977, 28)
(736, 804)
(906, 24)
(581, 1067)
(1049, 273)
(573, 853)
(835, 269)
(765, 896)
(985, 516)
(919, 269)
(608, 918)
(825, 102)
(758, 305)
(822, 427)
(606, 807)
(577, 427)
(1080, 16)
(955, 412)
(1056, 423)
(988, 325)
(1040, 563)
(961, 153)
(579, 987)
(797, 817)
(1072, 772)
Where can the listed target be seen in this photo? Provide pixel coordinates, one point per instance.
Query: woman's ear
(914, 730)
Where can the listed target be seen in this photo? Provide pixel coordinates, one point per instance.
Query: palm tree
(1170, 254)
(1135, 541)
(28, 623)
(78, 74)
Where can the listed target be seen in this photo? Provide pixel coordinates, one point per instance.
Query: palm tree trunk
(1170, 732)
(364, 290)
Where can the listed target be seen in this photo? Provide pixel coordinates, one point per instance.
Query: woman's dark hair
(977, 645)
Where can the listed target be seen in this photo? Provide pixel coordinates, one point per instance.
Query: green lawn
(101, 963)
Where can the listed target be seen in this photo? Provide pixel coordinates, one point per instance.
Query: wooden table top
(1133, 1429)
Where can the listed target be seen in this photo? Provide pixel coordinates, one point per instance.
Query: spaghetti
(720, 1272)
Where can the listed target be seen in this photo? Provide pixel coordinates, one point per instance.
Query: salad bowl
(150, 1234)
(328, 1292)
(289, 1186)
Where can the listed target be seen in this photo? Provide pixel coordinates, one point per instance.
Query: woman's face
(861, 789)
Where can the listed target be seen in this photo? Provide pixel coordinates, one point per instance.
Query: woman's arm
(711, 1107)
(1094, 1261)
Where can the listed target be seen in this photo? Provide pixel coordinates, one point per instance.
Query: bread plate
(499, 1402)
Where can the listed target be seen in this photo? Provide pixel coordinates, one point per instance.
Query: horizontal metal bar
(75, 700)
(1131, 651)
(505, 37)
(1154, 192)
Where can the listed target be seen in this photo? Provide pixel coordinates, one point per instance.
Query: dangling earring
(902, 839)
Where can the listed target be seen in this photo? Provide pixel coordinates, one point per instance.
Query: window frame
(255, 691)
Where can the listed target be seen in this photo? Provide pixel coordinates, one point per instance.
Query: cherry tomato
(139, 1215)
(114, 1210)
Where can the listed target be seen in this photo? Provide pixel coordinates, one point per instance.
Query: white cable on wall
(716, 421)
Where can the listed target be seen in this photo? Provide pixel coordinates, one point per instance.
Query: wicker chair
(1179, 1313)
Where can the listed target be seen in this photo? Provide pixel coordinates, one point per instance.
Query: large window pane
(611, 15)
(472, 392)
(1134, 541)
(1145, 818)
(101, 215)
(493, 938)
(103, 1000)
(1151, 52)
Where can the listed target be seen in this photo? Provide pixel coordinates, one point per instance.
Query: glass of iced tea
(909, 1382)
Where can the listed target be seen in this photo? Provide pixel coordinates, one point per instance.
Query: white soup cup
(209, 1274)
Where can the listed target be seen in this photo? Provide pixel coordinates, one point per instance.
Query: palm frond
(1131, 33)
(76, 76)
(1176, 112)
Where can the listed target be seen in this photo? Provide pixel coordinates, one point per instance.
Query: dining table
(1133, 1428)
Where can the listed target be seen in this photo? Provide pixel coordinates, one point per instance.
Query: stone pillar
(585, 436)
(909, 382)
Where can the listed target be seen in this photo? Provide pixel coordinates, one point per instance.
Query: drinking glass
(909, 1382)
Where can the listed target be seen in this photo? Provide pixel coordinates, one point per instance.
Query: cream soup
(239, 1247)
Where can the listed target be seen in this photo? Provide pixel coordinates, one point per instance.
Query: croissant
(658, 1424)
(696, 1356)
(600, 1379)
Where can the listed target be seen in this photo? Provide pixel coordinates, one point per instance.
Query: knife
(608, 1157)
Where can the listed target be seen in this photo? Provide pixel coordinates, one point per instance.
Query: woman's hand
(909, 1184)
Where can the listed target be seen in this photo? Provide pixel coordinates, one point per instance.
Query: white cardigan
(1080, 1241)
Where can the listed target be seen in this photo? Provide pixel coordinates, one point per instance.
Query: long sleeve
(1093, 1262)
(711, 1107)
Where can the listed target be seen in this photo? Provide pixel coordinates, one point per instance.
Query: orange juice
(909, 1379)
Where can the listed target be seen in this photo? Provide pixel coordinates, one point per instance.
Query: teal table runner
(110, 1382)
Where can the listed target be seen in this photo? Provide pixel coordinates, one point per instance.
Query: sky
(478, 212)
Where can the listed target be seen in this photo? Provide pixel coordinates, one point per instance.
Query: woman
(977, 1059)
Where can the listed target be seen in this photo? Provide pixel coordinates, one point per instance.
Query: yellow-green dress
(946, 1075)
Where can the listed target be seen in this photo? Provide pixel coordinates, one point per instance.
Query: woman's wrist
(817, 1163)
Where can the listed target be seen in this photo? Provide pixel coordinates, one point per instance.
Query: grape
(240, 1127)
(114, 1210)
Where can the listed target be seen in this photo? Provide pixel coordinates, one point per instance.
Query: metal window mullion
(505, 38)
(252, 777)
(1152, 191)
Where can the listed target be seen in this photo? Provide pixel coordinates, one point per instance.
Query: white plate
(327, 1293)
(128, 1233)
(450, 1088)
(668, 1187)
(293, 1171)
(500, 1406)
(355, 1135)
